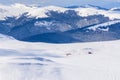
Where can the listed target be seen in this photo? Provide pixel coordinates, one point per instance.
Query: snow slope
(43, 61)
(104, 25)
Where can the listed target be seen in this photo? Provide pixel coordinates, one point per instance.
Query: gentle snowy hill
(5, 38)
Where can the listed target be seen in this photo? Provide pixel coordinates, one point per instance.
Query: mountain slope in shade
(102, 32)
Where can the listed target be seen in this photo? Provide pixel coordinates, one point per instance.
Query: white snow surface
(43, 61)
(18, 9)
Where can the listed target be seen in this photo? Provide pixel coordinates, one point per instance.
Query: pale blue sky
(102, 3)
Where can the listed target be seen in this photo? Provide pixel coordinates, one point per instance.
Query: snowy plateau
(56, 43)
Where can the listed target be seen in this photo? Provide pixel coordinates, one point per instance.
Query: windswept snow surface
(43, 61)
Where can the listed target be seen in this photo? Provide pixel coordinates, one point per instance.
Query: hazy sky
(104, 3)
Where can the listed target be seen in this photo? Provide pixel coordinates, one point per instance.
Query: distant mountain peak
(73, 6)
(87, 6)
(93, 6)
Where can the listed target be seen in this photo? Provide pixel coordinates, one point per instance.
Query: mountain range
(53, 24)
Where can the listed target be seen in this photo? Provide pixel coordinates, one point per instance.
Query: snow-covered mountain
(59, 24)
(17, 10)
